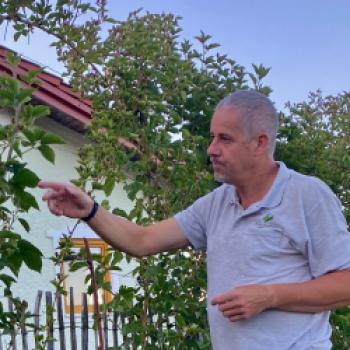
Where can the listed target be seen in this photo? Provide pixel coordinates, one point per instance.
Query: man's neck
(257, 185)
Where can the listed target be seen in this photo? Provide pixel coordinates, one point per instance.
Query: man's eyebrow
(221, 134)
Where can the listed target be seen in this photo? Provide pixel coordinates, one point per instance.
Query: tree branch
(31, 25)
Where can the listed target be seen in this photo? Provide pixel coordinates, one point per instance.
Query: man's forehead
(225, 118)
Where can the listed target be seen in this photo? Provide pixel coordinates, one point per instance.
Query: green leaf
(117, 258)
(17, 147)
(25, 200)
(109, 185)
(40, 111)
(16, 36)
(24, 223)
(9, 234)
(30, 77)
(50, 139)
(6, 279)
(76, 265)
(38, 133)
(30, 136)
(97, 186)
(12, 59)
(14, 262)
(31, 255)
(120, 212)
(212, 46)
(24, 95)
(48, 153)
(26, 178)
(6, 98)
(180, 321)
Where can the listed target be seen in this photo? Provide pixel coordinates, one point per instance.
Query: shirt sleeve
(328, 244)
(193, 222)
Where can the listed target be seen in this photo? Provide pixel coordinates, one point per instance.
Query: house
(70, 113)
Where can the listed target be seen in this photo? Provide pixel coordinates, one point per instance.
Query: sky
(305, 42)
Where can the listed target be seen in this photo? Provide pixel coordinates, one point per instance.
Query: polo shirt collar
(275, 194)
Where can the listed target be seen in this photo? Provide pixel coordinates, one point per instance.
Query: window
(76, 279)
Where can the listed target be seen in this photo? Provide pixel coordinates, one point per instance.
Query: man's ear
(262, 143)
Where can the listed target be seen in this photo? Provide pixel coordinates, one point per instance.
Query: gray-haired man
(278, 250)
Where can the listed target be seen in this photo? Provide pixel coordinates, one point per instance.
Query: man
(278, 250)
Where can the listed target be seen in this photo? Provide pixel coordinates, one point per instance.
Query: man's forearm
(327, 292)
(137, 240)
(118, 232)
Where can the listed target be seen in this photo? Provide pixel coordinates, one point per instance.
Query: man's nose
(213, 149)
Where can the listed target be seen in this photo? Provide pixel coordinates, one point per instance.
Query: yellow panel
(76, 279)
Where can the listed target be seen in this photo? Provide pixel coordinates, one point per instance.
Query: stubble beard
(220, 178)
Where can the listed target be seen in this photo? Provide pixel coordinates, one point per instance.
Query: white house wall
(45, 227)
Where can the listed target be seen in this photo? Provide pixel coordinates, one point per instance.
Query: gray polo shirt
(297, 232)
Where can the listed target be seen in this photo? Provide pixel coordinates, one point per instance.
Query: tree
(158, 95)
(153, 97)
(17, 138)
(319, 130)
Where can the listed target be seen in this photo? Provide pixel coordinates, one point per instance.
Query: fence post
(13, 345)
(105, 324)
(73, 335)
(24, 334)
(115, 329)
(122, 323)
(49, 320)
(84, 324)
(60, 322)
(37, 316)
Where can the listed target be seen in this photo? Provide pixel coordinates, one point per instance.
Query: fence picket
(37, 316)
(84, 324)
(13, 344)
(73, 335)
(105, 328)
(24, 334)
(115, 329)
(55, 322)
(60, 322)
(49, 320)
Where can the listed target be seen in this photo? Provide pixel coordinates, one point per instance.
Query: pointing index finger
(56, 186)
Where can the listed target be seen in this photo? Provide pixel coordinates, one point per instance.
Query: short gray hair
(257, 114)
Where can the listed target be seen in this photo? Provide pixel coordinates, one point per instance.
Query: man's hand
(66, 199)
(244, 302)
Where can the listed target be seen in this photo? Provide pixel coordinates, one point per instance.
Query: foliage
(151, 89)
(153, 97)
(319, 129)
(17, 138)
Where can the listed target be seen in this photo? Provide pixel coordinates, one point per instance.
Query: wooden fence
(64, 331)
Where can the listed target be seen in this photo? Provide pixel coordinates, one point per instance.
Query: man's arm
(327, 292)
(68, 200)
(137, 240)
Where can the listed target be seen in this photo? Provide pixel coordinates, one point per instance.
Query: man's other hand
(244, 302)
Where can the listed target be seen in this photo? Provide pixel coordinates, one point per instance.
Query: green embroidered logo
(268, 218)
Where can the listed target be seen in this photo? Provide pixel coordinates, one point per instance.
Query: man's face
(231, 152)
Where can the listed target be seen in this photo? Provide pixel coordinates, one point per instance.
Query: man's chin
(219, 178)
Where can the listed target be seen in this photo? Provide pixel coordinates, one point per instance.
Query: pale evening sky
(305, 42)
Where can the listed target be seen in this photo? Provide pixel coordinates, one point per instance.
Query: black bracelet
(92, 212)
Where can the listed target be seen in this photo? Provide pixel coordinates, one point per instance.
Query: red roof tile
(52, 90)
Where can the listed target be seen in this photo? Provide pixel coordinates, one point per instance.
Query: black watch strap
(92, 212)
